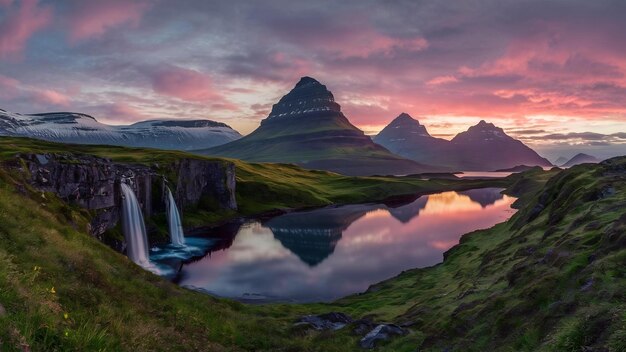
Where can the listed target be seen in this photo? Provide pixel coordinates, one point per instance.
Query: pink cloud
(20, 23)
(9, 86)
(91, 19)
(122, 112)
(184, 84)
(11, 89)
(442, 80)
(48, 96)
(369, 42)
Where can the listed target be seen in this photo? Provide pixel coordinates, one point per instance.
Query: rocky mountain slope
(483, 147)
(307, 127)
(68, 127)
(560, 161)
(406, 137)
(581, 158)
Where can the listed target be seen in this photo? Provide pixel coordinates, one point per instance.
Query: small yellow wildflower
(52, 290)
(65, 316)
(67, 333)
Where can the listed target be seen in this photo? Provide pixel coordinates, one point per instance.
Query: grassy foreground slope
(550, 279)
(62, 290)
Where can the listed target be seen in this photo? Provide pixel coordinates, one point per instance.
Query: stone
(327, 321)
(93, 183)
(382, 332)
(363, 326)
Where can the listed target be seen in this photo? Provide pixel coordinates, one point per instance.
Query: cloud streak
(21, 21)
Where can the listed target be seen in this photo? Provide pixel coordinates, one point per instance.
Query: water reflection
(324, 254)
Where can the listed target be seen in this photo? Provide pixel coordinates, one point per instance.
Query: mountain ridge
(482, 147)
(307, 127)
(79, 128)
(581, 158)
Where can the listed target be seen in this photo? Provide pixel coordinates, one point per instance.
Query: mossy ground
(552, 278)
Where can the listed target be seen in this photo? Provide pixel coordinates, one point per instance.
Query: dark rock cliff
(93, 183)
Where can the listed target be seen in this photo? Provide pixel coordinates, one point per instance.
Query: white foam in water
(194, 247)
(177, 235)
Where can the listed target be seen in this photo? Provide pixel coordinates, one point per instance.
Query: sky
(550, 72)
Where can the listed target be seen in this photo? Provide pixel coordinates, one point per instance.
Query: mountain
(406, 137)
(483, 147)
(484, 196)
(487, 147)
(306, 127)
(69, 127)
(314, 238)
(581, 158)
(561, 160)
(518, 168)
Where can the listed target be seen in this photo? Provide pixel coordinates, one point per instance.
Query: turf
(552, 278)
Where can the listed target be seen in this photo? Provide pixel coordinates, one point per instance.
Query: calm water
(484, 174)
(325, 254)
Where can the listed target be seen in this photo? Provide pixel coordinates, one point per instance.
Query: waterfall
(173, 219)
(134, 228)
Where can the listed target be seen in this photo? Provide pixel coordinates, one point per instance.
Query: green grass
(548, 280)
(261, 187)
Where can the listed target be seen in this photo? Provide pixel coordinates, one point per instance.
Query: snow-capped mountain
(68, 127)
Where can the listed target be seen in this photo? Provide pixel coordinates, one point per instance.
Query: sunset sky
(552, 73)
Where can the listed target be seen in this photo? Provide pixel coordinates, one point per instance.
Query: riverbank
(549, 279)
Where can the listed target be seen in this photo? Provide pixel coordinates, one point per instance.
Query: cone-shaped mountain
(307, 127)
(581, 158)
(406, 137)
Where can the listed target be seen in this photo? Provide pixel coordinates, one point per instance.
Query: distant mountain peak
(483, 131)
(484, 125)
(405, 117)
(561, 160)
(308, 98)
(581, 158)
(404, 126)
(306, 127)
(306, 80)
(583, 155)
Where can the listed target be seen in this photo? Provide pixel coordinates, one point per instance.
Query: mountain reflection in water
(324, 254)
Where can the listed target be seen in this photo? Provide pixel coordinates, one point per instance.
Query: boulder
(382, 332)
(327, 321)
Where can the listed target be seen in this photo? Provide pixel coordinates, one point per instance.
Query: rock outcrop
(93, 183)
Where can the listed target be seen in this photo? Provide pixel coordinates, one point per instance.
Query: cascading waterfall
(134, 228)
(173, 218)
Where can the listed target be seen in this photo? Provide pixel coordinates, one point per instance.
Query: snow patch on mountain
(68, 127)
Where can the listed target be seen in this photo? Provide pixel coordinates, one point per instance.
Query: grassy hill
(552, 278)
